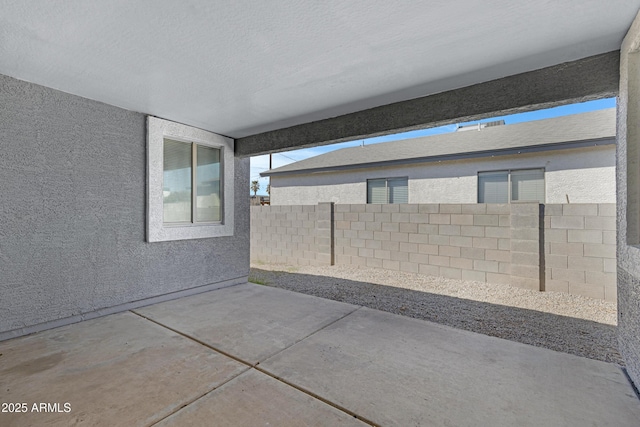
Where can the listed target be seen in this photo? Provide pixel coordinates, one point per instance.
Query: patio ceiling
(242, 68)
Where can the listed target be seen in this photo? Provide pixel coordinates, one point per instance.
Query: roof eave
(610, 140)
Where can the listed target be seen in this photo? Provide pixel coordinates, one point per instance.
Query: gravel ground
(568, 323)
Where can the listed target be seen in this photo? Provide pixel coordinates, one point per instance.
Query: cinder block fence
(566, 248)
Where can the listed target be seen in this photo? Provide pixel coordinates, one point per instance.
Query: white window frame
(157, 230)
(509, 189)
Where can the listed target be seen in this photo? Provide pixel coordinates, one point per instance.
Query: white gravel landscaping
(562, 322)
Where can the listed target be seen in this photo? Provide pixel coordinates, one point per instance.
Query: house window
(387, 190)
(190, 195)
(190, 182)
(526, 185)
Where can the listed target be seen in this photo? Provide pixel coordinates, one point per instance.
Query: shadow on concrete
(560, 333)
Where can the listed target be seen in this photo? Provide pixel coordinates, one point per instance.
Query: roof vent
(479, 126)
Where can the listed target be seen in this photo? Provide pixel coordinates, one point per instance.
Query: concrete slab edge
(27, 330)
(631, 383)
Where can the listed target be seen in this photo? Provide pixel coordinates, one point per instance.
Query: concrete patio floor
(251, 355)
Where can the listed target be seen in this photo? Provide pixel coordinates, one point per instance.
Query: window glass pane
(527, 185)
(208, 184)
(493, 187)
(377, 191)
(398, 190)
(176, 181)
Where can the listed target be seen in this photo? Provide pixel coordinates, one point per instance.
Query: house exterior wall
(582, 175)
(72, 218)
(628, 209)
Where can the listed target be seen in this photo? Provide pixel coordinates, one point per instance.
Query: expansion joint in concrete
(313, 333)
(255, 366)
(192, 338)
(194, 400)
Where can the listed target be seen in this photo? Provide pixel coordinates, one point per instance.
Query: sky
(261, 163)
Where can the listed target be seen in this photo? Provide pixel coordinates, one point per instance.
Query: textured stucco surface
(582, 175)
(578, 81)
(157, 131)
(328, 60)
(628, 256)
(72, 217)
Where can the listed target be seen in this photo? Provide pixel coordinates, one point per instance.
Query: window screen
(177, 181)
(493, 187)
(527, 185)
(397, 190)
(377, 191)
(387, 190)
(208, 184)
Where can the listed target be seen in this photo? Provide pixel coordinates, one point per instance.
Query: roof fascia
(457, 156)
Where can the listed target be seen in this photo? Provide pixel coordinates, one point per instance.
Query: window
(190, 176)
(526, 185)
(493, 187)
(190, 195)
(387, 190)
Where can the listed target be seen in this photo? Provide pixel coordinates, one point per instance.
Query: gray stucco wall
(628, 189)
(72, 215)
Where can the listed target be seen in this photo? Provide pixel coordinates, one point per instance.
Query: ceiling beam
(586, 79)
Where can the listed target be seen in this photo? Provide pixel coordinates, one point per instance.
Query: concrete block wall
(580, 249)
(325, 234)
(459, 241)
(562, 248)
(527, 258)
(286, 234)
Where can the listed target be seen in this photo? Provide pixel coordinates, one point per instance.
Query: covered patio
(111, 314)
(254, 355)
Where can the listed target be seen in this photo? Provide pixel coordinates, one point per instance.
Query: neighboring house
(259, 200)
(568, 159)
